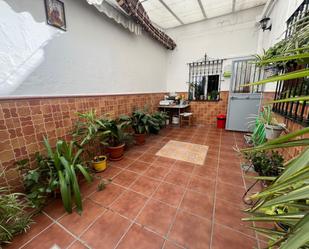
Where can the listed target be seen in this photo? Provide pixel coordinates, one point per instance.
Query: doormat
(188, 152)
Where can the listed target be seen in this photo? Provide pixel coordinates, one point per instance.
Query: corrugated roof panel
(187, 10)
(246, 4)
(215, 8)
(159, 14)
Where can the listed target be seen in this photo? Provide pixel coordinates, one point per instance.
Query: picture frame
(55, 14)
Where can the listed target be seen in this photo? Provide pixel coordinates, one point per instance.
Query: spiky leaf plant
(286, 201)
(14, 219)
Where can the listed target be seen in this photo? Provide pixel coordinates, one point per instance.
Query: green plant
(14, 218)
(117, 131)
(266, 116)
(65, 158)
(103, 183)
(258, 135)
(161, 118)
(266, 163)
(286, 200)
(214, 94)
(158, 119)
(141, 121)
(89, 129)
(40, 181)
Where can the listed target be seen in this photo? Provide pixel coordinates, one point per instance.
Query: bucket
(221, 120)
(100, 165)
(175, 120)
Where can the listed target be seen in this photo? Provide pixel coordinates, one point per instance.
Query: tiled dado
(24, 122)
(205, 112)
(291, 126)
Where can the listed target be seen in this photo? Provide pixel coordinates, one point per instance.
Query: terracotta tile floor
(156, 202)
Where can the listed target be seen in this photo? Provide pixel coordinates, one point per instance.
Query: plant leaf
(287, 76)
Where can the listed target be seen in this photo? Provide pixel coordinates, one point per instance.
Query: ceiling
(172, 13)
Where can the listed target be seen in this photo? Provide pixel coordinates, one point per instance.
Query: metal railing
(298, 111)
(198, 77)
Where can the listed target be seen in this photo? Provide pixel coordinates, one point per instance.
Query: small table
(180, 108)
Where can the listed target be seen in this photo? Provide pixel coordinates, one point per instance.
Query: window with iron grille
(297, 111)
(204, 80)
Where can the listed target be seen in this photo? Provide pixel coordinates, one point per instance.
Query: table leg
(179, 111)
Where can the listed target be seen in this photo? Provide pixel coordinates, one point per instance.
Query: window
(204, 80)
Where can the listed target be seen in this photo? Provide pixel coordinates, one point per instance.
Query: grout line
(215, 194)
(178, 208)
(27, 242)
(118, 197)
(244, 182)
(138, 214)
(68, 231)
(156, 145)
(167, 204)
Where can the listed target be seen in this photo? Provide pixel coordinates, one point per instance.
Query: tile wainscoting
(24, 122)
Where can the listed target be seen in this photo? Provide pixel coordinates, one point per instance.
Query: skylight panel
(159, 15)
(188, 11)
(246, 4)
(215, 8)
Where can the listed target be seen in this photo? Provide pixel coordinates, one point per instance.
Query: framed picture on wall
(55, 14)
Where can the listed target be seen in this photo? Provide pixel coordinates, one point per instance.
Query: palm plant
(286, 200)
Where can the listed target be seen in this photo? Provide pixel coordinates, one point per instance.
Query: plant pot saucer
(115, 159)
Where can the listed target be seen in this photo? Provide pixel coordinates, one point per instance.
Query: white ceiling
(172, 13)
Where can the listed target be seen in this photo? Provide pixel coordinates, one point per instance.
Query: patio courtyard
(154, 124)
(156, 202)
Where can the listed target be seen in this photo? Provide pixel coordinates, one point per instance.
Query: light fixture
(264, 23)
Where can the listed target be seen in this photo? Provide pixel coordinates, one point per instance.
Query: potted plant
(59, 171)
(273, 128)
(140, 122)
(265, 163)
(117, 137)
(159, 121)
(214, 95)
(89, 132)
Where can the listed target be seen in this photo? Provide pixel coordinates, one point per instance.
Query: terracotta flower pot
(116, 153)
(139, 138)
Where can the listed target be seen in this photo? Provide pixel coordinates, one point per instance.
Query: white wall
(232, 35)
(95, 55)
(279, 14)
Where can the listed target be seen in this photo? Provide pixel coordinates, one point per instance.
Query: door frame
(232, 94)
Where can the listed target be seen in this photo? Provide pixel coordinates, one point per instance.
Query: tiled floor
(156, 202)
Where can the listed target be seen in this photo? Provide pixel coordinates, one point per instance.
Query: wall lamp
(264, 23)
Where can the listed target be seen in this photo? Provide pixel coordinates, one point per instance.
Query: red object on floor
(221, 120)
